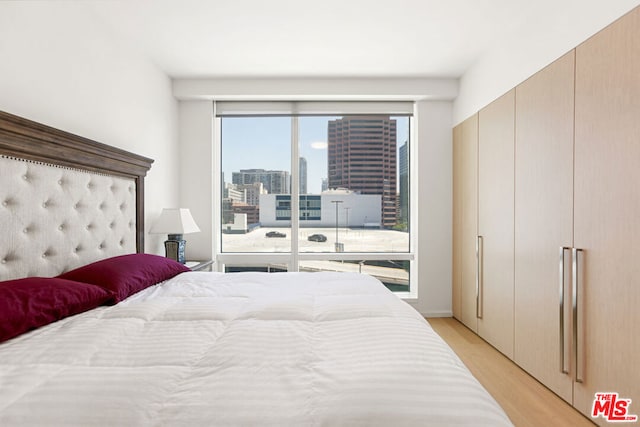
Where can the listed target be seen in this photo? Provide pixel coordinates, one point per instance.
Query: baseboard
(437, 314)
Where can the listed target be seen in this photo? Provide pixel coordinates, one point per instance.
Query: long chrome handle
(577, 330)
(479, 273)
(563, 364)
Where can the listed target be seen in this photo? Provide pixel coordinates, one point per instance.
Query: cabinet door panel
(456, 274)
(607, 211)
(469, 221)
(543, 220)
(495, 220)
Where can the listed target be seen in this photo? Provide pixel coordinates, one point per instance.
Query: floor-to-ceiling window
(317, 187)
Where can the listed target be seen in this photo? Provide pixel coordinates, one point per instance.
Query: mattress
(243, 349)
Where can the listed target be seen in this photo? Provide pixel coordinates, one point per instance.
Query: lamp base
(174, 248)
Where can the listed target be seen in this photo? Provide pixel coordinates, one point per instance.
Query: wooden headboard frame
(29, 140)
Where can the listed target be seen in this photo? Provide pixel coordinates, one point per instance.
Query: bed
(142, 341)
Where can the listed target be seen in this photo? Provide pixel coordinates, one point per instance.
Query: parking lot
(354, 240)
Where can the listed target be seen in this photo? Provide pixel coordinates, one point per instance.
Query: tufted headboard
(65, 200)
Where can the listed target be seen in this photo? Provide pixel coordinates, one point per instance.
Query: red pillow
(27, 304)
(127, 274)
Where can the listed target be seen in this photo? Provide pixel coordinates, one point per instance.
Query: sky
(265, 143)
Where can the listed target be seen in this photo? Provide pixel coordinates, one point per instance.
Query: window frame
(292, 259)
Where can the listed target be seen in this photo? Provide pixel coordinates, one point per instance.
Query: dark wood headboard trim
(29, 140)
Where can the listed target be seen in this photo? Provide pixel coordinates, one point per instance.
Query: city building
(231, 208)
(403, 194)
(239, 225)
(302, 174)
(319, 210)
(275, 182)
(241, 199)
(362, 158)
(252, 192)
(232, 192)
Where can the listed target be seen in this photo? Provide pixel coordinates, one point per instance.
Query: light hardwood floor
(523, 398)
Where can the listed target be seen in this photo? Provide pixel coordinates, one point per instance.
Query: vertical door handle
(479, 274)
(577, 329)
(563, 363)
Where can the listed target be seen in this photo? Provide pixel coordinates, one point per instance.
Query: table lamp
(175, 222)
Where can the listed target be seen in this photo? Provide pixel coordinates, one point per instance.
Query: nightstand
(199, 265)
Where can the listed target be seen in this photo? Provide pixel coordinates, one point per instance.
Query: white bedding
(243, 349)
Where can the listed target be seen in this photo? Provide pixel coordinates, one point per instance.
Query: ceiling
(325, 38)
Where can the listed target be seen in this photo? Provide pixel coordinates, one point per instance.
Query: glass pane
(393, 274)
(256, 168)
(354, 184)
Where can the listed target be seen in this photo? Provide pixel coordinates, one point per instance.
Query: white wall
(61, 67)
(196, 174)
(531, 48)
(435, 198)
(434, 157)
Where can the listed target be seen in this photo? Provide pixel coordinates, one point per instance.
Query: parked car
(275, 234)
(317, 238)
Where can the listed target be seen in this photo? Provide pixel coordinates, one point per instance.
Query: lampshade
(174, 221)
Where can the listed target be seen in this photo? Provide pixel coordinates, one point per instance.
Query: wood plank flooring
(523, 398)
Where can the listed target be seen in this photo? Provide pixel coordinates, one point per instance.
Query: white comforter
(243, 349)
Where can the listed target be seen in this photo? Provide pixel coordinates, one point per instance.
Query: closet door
(544, 223)
(465, 221)
(456, 273)
(495, 221)
(607, 213)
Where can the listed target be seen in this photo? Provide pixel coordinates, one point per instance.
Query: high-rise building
(325, 185)
(302, 173)
(403, 195)
(230, 195)
(233, 192)
(275, 182)
(362, 157)
(252, 192)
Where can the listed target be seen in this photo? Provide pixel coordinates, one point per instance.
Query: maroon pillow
(26, 304)
(127, 274)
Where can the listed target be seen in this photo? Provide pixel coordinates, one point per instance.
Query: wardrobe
(553, 269)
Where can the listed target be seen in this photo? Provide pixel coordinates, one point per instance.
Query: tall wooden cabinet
(544, 223)
(483, 161)
(456, 253)
(607, 212)
(575, 184)
(495, 222)
(465, 218)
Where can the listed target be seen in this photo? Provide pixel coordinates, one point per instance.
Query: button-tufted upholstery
(53, 219)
